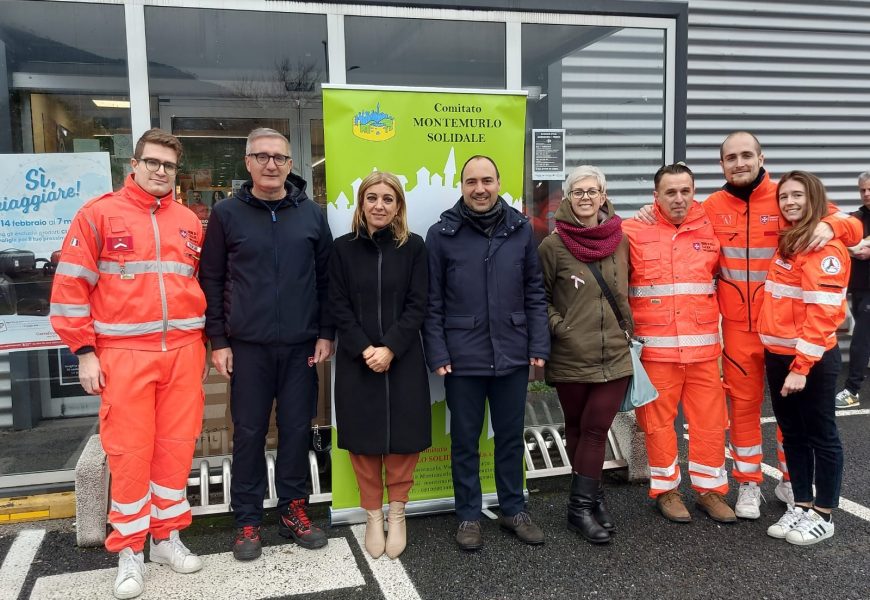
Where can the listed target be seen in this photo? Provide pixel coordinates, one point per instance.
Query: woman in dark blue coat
(377, 291)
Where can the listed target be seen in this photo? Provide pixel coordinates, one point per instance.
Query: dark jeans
(466, 396)
(859, 350)
(589, 410)
(809, 427)
(261, 375)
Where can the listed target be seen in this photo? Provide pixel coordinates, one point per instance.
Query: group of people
(138, 291)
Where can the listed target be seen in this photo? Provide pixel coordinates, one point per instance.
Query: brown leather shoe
(521, 525)
(716, 508)
(672, 508)
(468, 536)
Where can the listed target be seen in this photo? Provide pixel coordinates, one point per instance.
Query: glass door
(214, 133)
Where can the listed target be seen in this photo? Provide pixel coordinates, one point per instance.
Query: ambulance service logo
(374, 125)
(831, 265)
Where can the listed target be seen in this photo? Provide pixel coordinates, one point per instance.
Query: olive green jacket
(588, 345)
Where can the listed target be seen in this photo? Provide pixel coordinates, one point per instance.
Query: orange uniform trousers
(150, 418)
(370, 469)
(743, 370)
(699, 388)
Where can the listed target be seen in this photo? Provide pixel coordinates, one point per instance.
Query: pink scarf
(590, 244)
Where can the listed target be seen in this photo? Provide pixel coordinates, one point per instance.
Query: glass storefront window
(425, 52)
(64, 66)
(605, 87)
(217, 74)
(214, 75)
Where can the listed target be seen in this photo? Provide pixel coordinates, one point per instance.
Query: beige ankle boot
(396, 531)
(375, 532)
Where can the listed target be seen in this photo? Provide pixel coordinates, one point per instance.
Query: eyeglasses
(593, 193)
(263, 158)
(153, 165)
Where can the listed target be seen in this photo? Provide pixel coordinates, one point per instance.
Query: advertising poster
(39, 195)
(423, 136)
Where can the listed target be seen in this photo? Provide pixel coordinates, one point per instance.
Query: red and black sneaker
(295, 524)
(247, 545)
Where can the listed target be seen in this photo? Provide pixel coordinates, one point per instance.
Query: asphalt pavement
(648, 557)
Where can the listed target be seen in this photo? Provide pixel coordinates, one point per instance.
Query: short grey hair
(582, 172)
(863, 177)
(261, 132)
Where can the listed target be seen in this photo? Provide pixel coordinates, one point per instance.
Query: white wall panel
(796, 73)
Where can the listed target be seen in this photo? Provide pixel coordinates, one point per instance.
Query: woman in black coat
(377, 291)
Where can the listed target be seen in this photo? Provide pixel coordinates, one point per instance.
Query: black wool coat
(377, 295)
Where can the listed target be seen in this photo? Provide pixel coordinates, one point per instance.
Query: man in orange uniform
(126, 300)
(672, 297)
(746, 219)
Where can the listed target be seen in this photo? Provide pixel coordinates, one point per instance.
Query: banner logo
(374, 125)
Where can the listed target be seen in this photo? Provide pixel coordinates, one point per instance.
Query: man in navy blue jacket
(264, 271)
(486, 323)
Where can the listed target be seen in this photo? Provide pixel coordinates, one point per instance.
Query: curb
(61, 505)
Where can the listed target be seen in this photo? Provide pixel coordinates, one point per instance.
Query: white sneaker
(748, 505)
(130, 581)
(786, 523)
(846, 399)
(784, 492)
(174, 553)
(812, 528)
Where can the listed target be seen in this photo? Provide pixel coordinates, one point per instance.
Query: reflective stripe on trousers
(708, 478)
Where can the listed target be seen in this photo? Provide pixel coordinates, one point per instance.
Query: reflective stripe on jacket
(804, 303)
(748, 233)
(671, 290)
(127, 274)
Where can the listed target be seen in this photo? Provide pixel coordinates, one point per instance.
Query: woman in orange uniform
(804, 302)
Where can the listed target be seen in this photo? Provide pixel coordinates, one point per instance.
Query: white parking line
(17, 563)
(283, 570)
(847, 412)
(390, 574)
(846, 505)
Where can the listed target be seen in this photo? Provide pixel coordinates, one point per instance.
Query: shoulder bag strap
(605, 289)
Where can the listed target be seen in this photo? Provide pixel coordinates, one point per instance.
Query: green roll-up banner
(423, 136)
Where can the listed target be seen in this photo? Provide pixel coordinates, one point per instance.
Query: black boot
(581, 503)
(600, 512)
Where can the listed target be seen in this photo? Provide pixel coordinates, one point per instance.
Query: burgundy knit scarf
(590, 244)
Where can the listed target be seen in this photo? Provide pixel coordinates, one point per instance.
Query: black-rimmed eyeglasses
(263, 158)
(153, 165)
(593, 193)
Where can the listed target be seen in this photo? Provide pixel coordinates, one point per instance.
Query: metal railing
(213, 472)
(544, 452)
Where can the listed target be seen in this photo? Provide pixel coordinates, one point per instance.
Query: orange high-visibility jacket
(127, 274)
(804, 303)
(748, 233)
(671, 289)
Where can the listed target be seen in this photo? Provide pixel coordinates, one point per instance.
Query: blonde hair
(399, 224)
